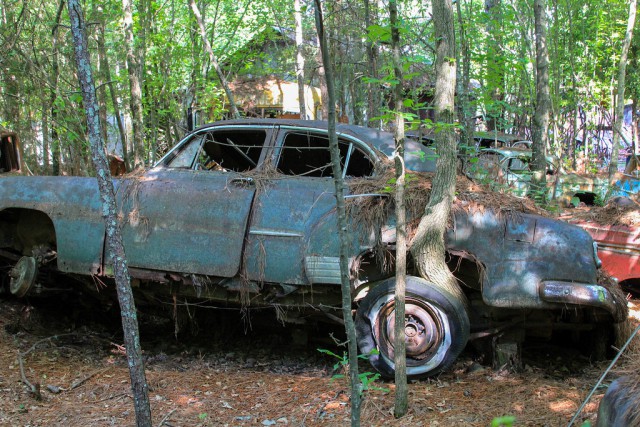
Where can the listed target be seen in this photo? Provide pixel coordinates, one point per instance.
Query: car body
(509, 169)
(244, 212)
(619, 250)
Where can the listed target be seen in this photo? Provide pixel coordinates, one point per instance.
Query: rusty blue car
(244, 213)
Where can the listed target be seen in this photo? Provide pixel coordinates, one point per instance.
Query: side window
(225, 149)
(307, 154)
(184, 157)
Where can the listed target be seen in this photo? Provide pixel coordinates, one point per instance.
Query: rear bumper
(591, 295)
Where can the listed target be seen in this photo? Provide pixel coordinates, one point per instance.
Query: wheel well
(21, 230)
(372, 266)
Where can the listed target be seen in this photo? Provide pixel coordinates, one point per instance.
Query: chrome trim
(595, 255)
(323, 269)
(591, 295)
(618, 248)
(353, 196)
(260, 232)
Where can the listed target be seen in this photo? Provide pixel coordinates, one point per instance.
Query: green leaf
(378, 33)
(506, 421)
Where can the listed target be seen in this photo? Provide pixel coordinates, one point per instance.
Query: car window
(519, 164)
(308, 154)
(222, 149)
(184, 157)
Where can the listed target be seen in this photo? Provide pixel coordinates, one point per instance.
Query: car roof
(509, 152)
(380, 140)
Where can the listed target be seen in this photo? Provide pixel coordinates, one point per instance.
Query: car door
(290, 205)
(190, 213)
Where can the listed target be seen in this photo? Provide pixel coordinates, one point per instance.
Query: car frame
(243, 213)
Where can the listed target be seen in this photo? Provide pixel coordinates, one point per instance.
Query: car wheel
(436, 327)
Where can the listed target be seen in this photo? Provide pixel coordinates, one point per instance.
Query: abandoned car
(244, 212)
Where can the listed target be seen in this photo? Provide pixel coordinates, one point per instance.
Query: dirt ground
(257, 374)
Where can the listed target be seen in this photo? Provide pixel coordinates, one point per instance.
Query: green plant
(504, 421)
(366, 378)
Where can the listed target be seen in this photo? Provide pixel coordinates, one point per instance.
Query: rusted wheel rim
(423, 330)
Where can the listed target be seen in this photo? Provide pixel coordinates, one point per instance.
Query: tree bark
(464, 108)
(543, 103)
(104, 65)
(55, 75)
(134, 68)
(350, 328)
(495, 63)
(300, 60)
(214, 61)
(399, 345)
(373, 90)
(139, 385)
(622, 69)
(428, 246)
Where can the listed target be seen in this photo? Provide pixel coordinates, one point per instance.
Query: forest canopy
(254, 50)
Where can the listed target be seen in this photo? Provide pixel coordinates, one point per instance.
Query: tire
(437, 327)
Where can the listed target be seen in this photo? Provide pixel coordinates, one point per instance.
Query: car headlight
(595, 255)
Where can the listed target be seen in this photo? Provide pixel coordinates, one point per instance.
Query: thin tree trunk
(324, 92)
(55, 74)
(214, 61)
(373, 91)
(104, 65)
(428, 246)
(495, 63)
(356, 384)
(134, 68)
(45, 135)
(139, 385)
(465, 111)
(543, 102)
(399, 345)
(300, 60)
(622, 69)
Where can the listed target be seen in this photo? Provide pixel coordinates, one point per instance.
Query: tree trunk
(214, 61)
(622, 69)
(543, 103)
(465, 109)
(356, 384)
(300, 60)
(428, 247)
(104, 65)
(135, 78)
(373, 89)
(139, 385)
(55, 75)
(495, 63)
(400, 358)
(45, 135)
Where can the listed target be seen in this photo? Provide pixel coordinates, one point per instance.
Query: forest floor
(258, 377)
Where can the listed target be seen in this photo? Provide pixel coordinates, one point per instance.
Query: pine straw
(470, 197)
(611, 214)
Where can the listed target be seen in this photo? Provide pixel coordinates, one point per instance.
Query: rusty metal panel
(285, 212)
(186, 221)
(515, 268)
(73, 204)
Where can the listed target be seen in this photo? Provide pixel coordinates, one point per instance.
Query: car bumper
(590, 295)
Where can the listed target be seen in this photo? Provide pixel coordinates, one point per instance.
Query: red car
(619, 250)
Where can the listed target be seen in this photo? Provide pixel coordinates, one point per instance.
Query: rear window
(307, 154)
